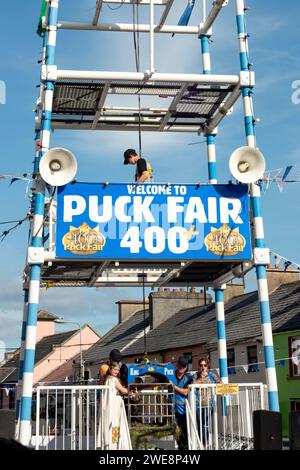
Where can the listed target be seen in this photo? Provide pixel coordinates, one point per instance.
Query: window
(295, 405)
(11, 396)
(189, 358)
(294, 349)
(231, 361)
(252, 359)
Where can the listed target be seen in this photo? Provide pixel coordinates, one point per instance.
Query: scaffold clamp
(49, 72)
(35, 255)
(261, 256)
(247, 78)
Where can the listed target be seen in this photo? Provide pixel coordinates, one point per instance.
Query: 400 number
(155, 240)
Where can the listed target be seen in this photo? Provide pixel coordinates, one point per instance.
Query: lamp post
(62, 321)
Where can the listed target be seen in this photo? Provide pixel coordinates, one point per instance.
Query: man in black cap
(143, 173)
(180, 385)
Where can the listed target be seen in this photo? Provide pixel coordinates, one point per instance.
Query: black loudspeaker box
(294, 430)
(267, 427)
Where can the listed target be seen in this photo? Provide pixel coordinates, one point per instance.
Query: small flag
(287, 264)
(245, 369)
(279, 183)
(286, 172)
(14, 180)
(282, 362)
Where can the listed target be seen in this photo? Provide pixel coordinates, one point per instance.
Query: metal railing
(154, 404)
(76, 418)
(223, 421)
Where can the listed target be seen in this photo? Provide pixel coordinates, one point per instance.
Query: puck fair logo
(83, 240)
(225, 241)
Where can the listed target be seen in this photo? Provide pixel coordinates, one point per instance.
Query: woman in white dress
(115, 425)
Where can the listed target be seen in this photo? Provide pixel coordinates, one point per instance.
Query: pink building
(53, 358)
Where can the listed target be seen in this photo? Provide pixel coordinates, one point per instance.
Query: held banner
(153, 222)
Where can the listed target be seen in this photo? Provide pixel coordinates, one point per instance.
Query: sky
(274, 51)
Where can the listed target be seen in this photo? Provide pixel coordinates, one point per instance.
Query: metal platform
(175, 107)
(94, 273)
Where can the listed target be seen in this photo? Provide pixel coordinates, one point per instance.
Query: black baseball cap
(115, 355)
(127, 154)
(182, 361)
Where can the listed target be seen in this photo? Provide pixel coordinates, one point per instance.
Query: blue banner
(153, 222)
(138, 370)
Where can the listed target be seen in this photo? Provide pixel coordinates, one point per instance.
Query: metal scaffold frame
(199, 102)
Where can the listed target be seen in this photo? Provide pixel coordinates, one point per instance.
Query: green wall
(288, 388)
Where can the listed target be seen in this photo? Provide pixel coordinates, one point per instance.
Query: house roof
(118, 337)
(6, 372)
(60, 374)
(197, 325)
(43, 348)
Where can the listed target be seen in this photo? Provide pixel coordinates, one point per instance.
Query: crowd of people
(182, 381)
(115, 374)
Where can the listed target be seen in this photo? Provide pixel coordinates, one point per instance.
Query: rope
(136, 41)
(4, 234)
(144, 314)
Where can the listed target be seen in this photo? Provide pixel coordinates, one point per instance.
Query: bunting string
(16, 177)
(282, 362)
(280, 262)
(4, 234)
(280, 176)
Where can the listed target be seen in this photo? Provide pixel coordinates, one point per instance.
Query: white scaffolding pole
(145, 77)
(127, 27)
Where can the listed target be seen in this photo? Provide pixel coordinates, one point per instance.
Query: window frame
(231, 367)
(291, 365)
(252, 366)
(294, 402)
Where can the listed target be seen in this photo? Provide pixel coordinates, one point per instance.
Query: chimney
(45, 324)
(9, 355)
(278, 276)
(163, 304)
(232, 290)
(128, 307)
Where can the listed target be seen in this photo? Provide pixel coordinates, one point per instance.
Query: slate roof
(6, 372)
(43, 348)
(197, 325)
(118, 337)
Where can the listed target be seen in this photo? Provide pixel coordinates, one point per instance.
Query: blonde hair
(112, 365)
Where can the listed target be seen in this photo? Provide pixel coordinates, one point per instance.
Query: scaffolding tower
(76, 99)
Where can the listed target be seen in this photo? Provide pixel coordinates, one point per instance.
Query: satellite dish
(247, 164)
(58, 166)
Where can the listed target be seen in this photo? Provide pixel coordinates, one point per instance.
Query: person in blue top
(181, 382)
(204, 398)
